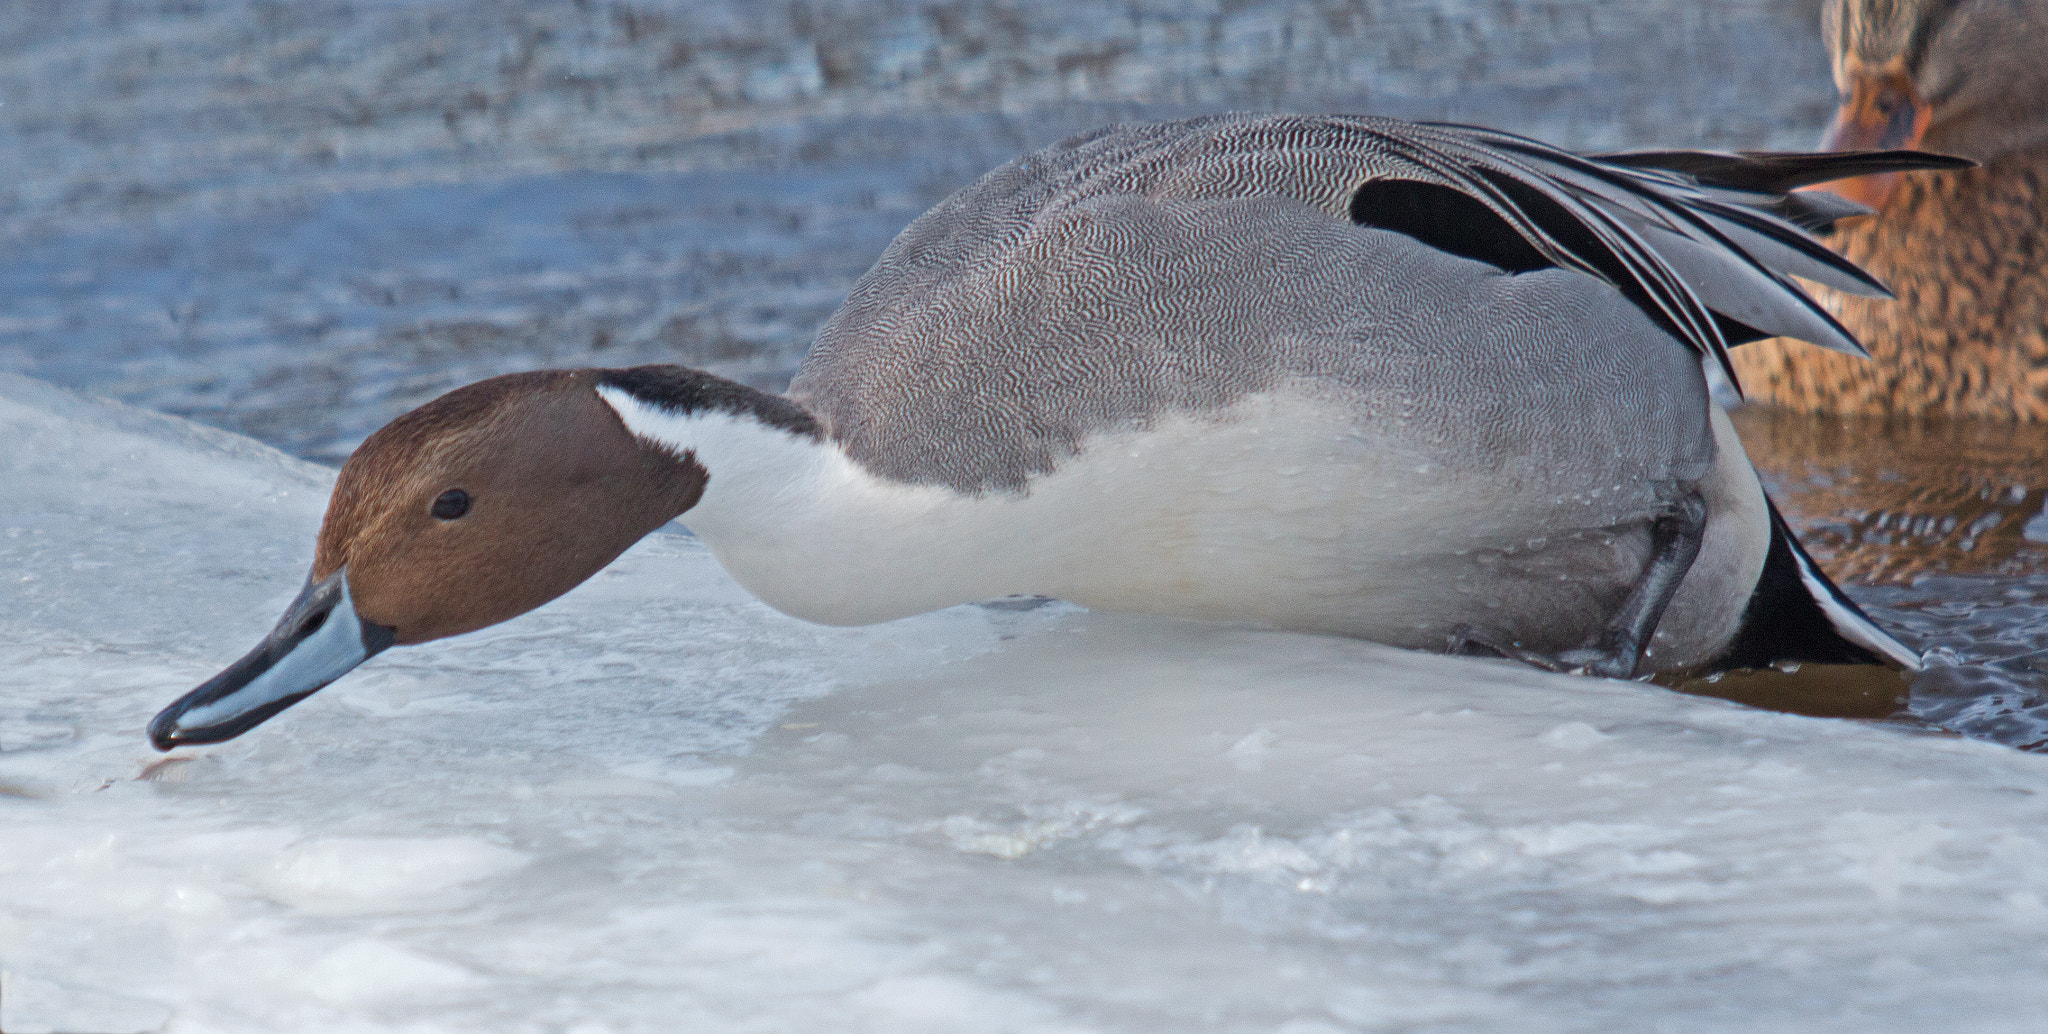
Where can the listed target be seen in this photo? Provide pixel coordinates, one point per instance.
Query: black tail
(1783, 172)
(1797, 614)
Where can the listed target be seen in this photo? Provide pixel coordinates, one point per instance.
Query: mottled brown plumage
(1966, 252)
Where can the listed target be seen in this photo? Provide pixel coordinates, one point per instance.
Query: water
(311, 325)
(1937, 528)
(298, 220)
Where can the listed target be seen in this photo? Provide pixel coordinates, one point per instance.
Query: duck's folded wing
(1683, 232)
(1700, 241)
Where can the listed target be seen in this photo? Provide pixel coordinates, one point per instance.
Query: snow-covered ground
(655, 805)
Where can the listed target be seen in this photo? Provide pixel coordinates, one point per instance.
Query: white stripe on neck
(812, 533)
(1206, 517)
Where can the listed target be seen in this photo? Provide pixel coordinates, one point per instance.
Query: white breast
(1281, 510)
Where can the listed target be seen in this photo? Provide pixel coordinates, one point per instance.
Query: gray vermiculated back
(1141, 271)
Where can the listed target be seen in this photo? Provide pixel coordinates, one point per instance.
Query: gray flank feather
(1144, 270)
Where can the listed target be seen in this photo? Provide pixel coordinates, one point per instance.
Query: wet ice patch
(1891, 854)
(373, 874)
(32, 1004)
(1380, 1008)
(1041, 826)
(1573, 736)
(685, 773)
(1549, 841)
(1249, 753)
(31, 734)
(369, 972)
(942, 1003)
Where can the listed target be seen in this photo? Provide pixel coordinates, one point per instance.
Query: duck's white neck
(814, 534)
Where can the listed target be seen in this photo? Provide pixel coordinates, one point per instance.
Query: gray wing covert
(1174, 267)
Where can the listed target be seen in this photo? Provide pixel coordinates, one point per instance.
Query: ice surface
(657, 806)
(32, 1005)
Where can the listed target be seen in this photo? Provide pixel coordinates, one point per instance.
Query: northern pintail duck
(1429, 385)
(1965, 250)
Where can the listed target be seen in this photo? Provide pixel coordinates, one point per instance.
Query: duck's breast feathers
(1177, 267)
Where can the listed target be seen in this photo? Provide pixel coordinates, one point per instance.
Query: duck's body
(1426, 385)
(1287, 508)
(1966, 251)
(1271, 446)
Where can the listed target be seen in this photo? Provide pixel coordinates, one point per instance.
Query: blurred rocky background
(297, 219)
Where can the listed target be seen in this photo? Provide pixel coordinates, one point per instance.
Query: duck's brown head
(1962, 77)
(492, 500)
(477, 507)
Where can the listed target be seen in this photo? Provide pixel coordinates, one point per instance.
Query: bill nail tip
(163, 735)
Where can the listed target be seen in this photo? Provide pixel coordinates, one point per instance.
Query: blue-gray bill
(318, 640)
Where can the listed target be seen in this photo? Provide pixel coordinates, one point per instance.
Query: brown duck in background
(1966, 252)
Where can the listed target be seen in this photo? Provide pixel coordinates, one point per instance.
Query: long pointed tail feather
(1770, 180)
(1798, 614)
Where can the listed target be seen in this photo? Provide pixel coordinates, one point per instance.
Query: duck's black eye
(452, 504)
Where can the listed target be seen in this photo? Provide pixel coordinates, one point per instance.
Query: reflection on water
(1822, 690)
(1891, 502)
(1936, 527)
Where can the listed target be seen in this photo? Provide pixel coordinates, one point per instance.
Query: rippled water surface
(1938, 530)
